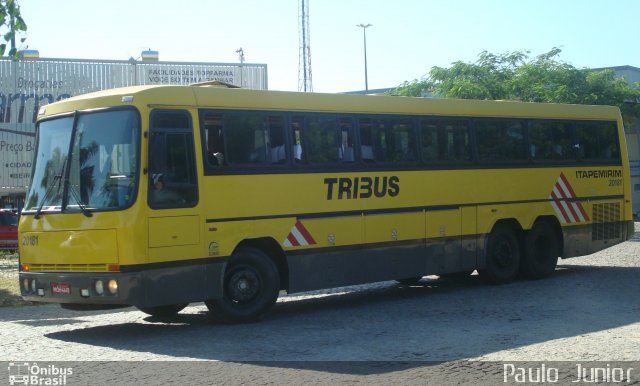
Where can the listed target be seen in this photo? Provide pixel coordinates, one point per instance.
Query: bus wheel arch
(502, 252)
(541, 248)
(251, 284)
(272, 249)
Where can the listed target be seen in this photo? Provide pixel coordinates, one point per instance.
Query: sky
(407, 37)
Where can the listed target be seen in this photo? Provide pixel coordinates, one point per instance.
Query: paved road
(383, 333)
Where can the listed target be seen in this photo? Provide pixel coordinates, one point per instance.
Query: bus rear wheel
(503, 256)
(164, 311)
(251, 287)
(541, 251)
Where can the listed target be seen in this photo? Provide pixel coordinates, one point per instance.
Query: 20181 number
(29, 241)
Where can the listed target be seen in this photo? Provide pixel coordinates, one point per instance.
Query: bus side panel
(443, 231)
(328, 268)
(181, 284)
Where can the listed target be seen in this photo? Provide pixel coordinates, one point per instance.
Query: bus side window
(296, 140)
(254, 139)
(346, 151)
(366, 141)
(500, 140)
(445, 140)
(275, 133)
(598, 141)
(392, 140)
(551, 140)
(329, 140)
(214, 140)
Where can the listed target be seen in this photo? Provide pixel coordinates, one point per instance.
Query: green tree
(12, 23)
(516, 76)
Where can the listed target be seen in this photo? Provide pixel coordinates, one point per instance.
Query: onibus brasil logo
(24, 373)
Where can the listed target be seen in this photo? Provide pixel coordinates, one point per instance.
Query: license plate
(60, 289)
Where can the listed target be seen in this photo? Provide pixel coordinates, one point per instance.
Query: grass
(9, 284)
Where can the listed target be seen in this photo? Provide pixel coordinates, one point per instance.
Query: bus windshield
(85, 162)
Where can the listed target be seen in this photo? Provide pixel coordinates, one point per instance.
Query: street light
(364, 33)
(240, 53)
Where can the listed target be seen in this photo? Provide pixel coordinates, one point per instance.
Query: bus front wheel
(251, 287)
(503, 256)
(541, 251)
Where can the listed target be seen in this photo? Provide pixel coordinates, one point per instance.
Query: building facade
(28, 84)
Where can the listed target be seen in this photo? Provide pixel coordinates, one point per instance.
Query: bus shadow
(355, 329)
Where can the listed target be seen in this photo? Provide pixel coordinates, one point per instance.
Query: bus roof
(219, 96)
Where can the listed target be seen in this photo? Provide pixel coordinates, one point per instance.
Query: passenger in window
(160, 195)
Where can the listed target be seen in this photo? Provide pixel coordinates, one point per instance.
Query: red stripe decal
(293, 240)
(305, 233)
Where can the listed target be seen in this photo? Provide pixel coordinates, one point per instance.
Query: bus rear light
(112, 285)
(113, 267)
(25, 267)
(25, 285)
(33, 285)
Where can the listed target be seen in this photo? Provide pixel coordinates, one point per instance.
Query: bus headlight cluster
(29, 285)
(99, 287)
(105, 286)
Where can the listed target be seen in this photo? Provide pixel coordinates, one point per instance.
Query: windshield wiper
(76, 197)
(56, 178)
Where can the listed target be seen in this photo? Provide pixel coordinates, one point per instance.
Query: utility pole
(304, 59)
(364, 32)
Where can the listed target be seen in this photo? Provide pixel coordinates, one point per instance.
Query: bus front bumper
(81, 288)
(147, 288)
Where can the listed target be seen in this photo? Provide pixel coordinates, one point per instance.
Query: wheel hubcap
(504, 255)
(243, 285)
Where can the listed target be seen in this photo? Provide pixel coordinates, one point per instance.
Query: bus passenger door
(174, 223)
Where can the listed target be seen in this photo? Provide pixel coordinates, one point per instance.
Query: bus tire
(251, 287)
(503, 256)
(541, 250)
(163, 311)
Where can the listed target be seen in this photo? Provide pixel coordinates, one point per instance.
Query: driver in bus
(161, 195)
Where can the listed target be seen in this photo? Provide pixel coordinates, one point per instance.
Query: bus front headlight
(112, 285)
(99, 287)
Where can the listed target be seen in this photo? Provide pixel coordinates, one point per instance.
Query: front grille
(606, 222)
(68, 267)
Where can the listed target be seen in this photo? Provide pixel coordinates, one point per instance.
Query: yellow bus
(156, 197)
